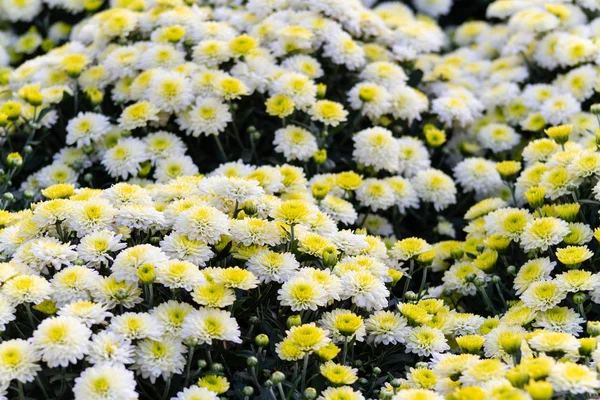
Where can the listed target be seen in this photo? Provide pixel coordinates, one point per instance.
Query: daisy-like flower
(209, 116)
(424, 341)
(97, 247)
(138, 115)
(208, 324)
(159, 358)
(301, 293)
(18, 360)
(541, 233)
(176, 274)
(124, 159)
(295, 143)
(268, 265)
(110, 348)
(86, 311)
(365, 290)
(196, 393)
(105, 381)
(136, 326)
(26, 289)
(570, 377)
(377, 148)
(386, 327)
(534, 270)
(178, 246)
(328, 112)
(343, 325)
(87, 128)
(543, 295)
(433, 186)
(203, 223)
(61, 341)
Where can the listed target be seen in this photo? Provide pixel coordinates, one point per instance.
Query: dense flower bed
(327, 200)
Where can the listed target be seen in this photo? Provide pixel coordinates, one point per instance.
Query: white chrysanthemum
(87, 128)
(105, 382)
(560, 319)
(538, 269)
(109, 348)
(161, 56)
(136, 326)
(18, 360)
(498, 137)
(365, 290)
(541, 233)
(413, 156)
(159, 358)
(174, 167)
(376, 194)
(455, 278)
(209, 116)
(129, 260)
(139, 216)
(572, 378)
(434, 8)
(61, 341)
(26, 289)
(451, 109)
(178, 246)
(125, 158)
(207, 324)
(559, 108)
(54, 173)
(408, 103)
(138, 115)
(493, 346)
(478, 175)
(21, 10)
(73, 283)
(171, 316)
(203, 223)
(300, 88)
(50, 252)
(424, 341)
(176, 274)
(96, 248)
(162, 145)
(543, 295)
(300, 293)
(7, 312)
(88, 312)
(343, 325)
(349, 242)
(211, 52)
(339, 209)
(371, 99)
(270, 266)
(231, 188)
(295, 143)
(377, 148)
(196, 393)
(249, 231)
(343, 50)
(434, 186)
(386, 327)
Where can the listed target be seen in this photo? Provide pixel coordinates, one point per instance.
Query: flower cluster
(320, 200)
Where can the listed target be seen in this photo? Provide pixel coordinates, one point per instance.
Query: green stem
(408, 278)
(20, 388)
(189, 365)
(304, 370)
(220, 147)
(345, 351)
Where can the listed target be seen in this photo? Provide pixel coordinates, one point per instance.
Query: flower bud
(248, 391)
(517, 376)
(217, 367)
(330, 257)
(376, 371)
(293, 320)
(146, 273)
(593, 328)
(262, 340)
(579, 298)
(277, 377)
(321, 90)
(559, 133)
(8, 196)
(14, 160)
(588, 345)
(251, 361)
(202, 364)
(396, 383)
(320, 156)
(310, 394)
(539, 390)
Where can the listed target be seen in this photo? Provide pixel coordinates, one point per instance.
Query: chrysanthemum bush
(302, 200)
